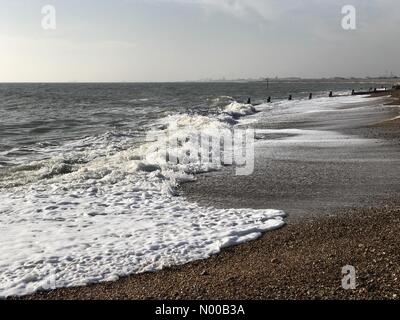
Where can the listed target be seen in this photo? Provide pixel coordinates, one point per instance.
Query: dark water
(36, 116)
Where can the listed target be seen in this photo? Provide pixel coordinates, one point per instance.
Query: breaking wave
(104, 207)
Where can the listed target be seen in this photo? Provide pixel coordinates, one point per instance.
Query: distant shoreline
(388, 80)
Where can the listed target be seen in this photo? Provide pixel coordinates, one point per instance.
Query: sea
(87, 197)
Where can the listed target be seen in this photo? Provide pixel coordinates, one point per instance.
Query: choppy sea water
(84, 198)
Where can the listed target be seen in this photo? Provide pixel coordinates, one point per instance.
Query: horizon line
(211, 80)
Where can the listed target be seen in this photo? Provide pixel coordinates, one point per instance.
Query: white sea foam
(94, 214)
(139, 100)
(101, 207)
(237, 109)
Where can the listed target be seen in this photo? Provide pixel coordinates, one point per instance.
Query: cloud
(272, 10)
(241, 9)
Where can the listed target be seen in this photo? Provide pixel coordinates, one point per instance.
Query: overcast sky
(176, 40)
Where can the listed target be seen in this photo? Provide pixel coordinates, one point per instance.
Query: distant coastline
(383, 79)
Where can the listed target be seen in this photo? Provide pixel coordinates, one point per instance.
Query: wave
(138, 100)
(105, 207)
(238, 110)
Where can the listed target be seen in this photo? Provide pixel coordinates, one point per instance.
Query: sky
(181, 40)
